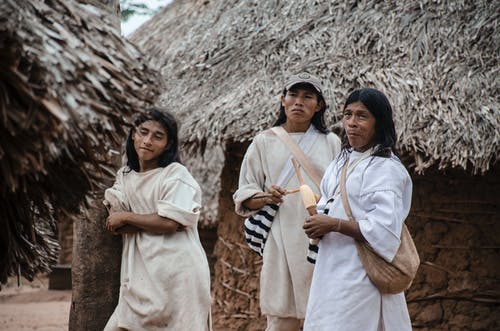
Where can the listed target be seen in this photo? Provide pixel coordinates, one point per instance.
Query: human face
(359, 124)
(300, 106)
(150, 141)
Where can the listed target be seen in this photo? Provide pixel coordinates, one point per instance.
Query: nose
(147, 140)
(299, 100)
(350, 121)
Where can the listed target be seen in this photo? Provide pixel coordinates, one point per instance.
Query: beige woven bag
(389, 277)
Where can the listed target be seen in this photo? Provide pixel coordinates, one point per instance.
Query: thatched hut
(68, 85)
(224, 62)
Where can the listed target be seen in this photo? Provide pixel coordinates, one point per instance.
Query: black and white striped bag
(312, 251)
(257, 227)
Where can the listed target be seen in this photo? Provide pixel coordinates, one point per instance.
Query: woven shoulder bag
(389, 277)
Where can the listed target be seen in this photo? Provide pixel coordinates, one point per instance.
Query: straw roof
(68, 83)
(225, 62)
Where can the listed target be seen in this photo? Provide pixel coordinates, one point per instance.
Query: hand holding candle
(307, 194)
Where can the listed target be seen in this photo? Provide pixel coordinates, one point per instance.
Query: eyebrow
(140, 127)
(355, 109)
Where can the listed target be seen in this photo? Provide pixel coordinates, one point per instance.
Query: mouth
(295, 110)
(146, 149)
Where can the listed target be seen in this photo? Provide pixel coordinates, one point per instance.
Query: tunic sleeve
(386, 197)
(252, 178)
(114, 197)
(181, 199)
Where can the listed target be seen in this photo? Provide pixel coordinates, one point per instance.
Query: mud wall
(65, 237)
(236, 282)
(455, 223)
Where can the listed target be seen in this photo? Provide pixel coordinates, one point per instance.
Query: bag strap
(298, 153)
(343, 179)
(343, 192)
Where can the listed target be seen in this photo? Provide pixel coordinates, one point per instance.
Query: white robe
(165, 279)
(286, 275)
(342, 297)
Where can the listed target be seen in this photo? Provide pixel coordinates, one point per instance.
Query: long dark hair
(385, 132)
(167, 120)
(318, 120)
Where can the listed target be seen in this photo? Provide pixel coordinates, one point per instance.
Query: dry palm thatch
(225, 62)
(68, 84)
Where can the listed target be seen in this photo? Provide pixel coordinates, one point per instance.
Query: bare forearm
(274, 195)
(316, 226)
(254, 203)
(351, 229)
(127, 229)
(152, 223)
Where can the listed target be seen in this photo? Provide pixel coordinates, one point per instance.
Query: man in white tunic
(286, 275)
(154, 203)
(379, 189)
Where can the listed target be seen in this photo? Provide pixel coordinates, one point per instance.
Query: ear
(282, 100)
(320, 105)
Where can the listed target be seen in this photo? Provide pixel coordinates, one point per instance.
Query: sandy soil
(32, 306)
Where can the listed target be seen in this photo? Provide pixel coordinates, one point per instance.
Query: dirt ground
(32, 306)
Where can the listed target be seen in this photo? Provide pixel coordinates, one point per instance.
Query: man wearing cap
(265, 176)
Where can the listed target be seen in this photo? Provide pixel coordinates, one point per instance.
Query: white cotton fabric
(342, 297)
(165, 279)
(286, 275)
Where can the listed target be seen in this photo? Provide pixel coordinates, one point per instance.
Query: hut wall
(65, 237)
(208, 238)
(454, 220)
(236, 281)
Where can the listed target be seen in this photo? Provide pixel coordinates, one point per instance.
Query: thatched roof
(68, 83)
(225, 62)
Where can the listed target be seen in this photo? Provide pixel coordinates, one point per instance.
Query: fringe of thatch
(68, 83)
(226, 62)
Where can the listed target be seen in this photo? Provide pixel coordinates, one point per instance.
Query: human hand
(274, 195)
(115, 221)
(316, 226)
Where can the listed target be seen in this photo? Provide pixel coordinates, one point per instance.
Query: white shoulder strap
(298, 153)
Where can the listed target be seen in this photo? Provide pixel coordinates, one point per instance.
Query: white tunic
(165, 279)
(286, 275)
(342, 297)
